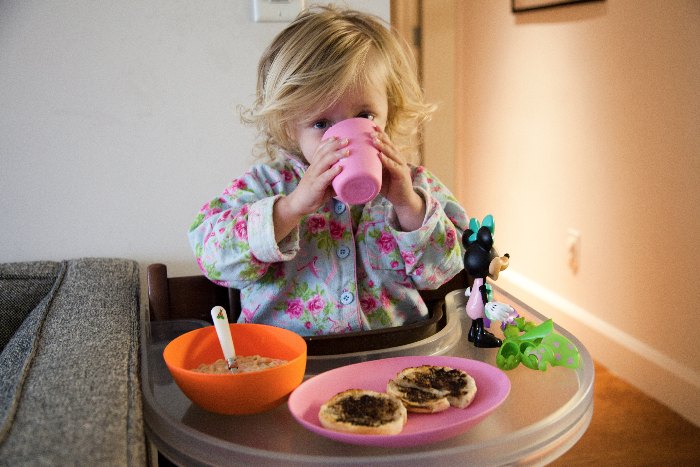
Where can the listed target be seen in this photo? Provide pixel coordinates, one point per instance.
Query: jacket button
(340, 207)
(342, 252)
(346, 298)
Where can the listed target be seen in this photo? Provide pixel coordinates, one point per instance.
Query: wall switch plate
(276, 10)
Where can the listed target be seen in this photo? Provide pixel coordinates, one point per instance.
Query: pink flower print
(212, 208)
(247, 315)
(337, 230)
(230, 190)
(370, 284)
(368, 303)
(295, 308)
(261, 267)
(419, 269)
(315, 305)
(287, 175)
(408, 257)
(339, 327)
(384, 298)
(450, 238)
(386, 242)
(236, 185)
(307, 325)
(241, 229)
(225, 216)
(316, 224)
(420, 169)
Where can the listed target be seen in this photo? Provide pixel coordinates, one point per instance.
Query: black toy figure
(481, 260)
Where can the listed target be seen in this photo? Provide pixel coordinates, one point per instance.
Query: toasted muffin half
(362, 411)
(416, 400)
(423, 388)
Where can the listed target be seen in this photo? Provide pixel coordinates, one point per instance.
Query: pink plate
(492, 386)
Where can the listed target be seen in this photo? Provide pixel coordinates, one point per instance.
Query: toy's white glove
(497, 311)
(468, 292)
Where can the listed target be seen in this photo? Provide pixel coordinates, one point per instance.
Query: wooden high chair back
(187, 297)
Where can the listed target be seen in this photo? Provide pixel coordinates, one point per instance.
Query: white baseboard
(651, 371)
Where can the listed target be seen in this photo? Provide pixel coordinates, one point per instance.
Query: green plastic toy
(535, 346)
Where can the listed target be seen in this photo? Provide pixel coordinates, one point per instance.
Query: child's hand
(397, 185)
(314, 188)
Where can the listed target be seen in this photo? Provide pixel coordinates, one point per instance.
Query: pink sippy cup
(361, 177)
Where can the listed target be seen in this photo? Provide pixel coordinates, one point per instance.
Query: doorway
(430, 28)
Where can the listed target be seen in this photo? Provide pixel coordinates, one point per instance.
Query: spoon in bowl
(223, 331)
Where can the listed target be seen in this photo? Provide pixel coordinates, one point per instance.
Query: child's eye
(366, 115)
(322, 125)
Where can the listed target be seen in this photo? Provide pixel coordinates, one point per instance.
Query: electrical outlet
(276, 10)
(573, 249)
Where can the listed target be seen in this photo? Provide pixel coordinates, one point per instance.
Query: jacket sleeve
(233, 235)
(432, 254)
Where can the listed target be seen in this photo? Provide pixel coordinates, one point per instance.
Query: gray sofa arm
(69, 367)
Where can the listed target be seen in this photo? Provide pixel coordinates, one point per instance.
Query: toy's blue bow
(474, 226)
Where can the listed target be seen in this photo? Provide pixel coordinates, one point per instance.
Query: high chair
(193, 297)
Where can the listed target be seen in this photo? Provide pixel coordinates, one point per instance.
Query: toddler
(302, 259)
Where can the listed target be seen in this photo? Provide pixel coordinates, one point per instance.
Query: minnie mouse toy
(481, 260)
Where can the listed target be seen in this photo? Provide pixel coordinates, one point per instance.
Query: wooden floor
(630, 428)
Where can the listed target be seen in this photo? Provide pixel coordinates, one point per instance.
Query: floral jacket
(344, 268)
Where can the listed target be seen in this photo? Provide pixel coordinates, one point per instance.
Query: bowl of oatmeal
(270, 364)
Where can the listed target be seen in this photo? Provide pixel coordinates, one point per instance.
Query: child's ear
(290, 144)
(289, 132)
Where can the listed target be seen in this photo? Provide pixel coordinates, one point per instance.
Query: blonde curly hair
(323, 53)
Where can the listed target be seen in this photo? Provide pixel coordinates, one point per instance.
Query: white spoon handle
(223, 331)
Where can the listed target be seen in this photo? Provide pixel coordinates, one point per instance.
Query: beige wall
(587, 117)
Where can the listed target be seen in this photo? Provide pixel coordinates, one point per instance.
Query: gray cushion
(69, 375)
(22, 287)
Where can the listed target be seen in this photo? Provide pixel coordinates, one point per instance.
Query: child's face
(365, 101)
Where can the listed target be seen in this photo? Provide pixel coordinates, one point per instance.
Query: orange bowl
(240, 393)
